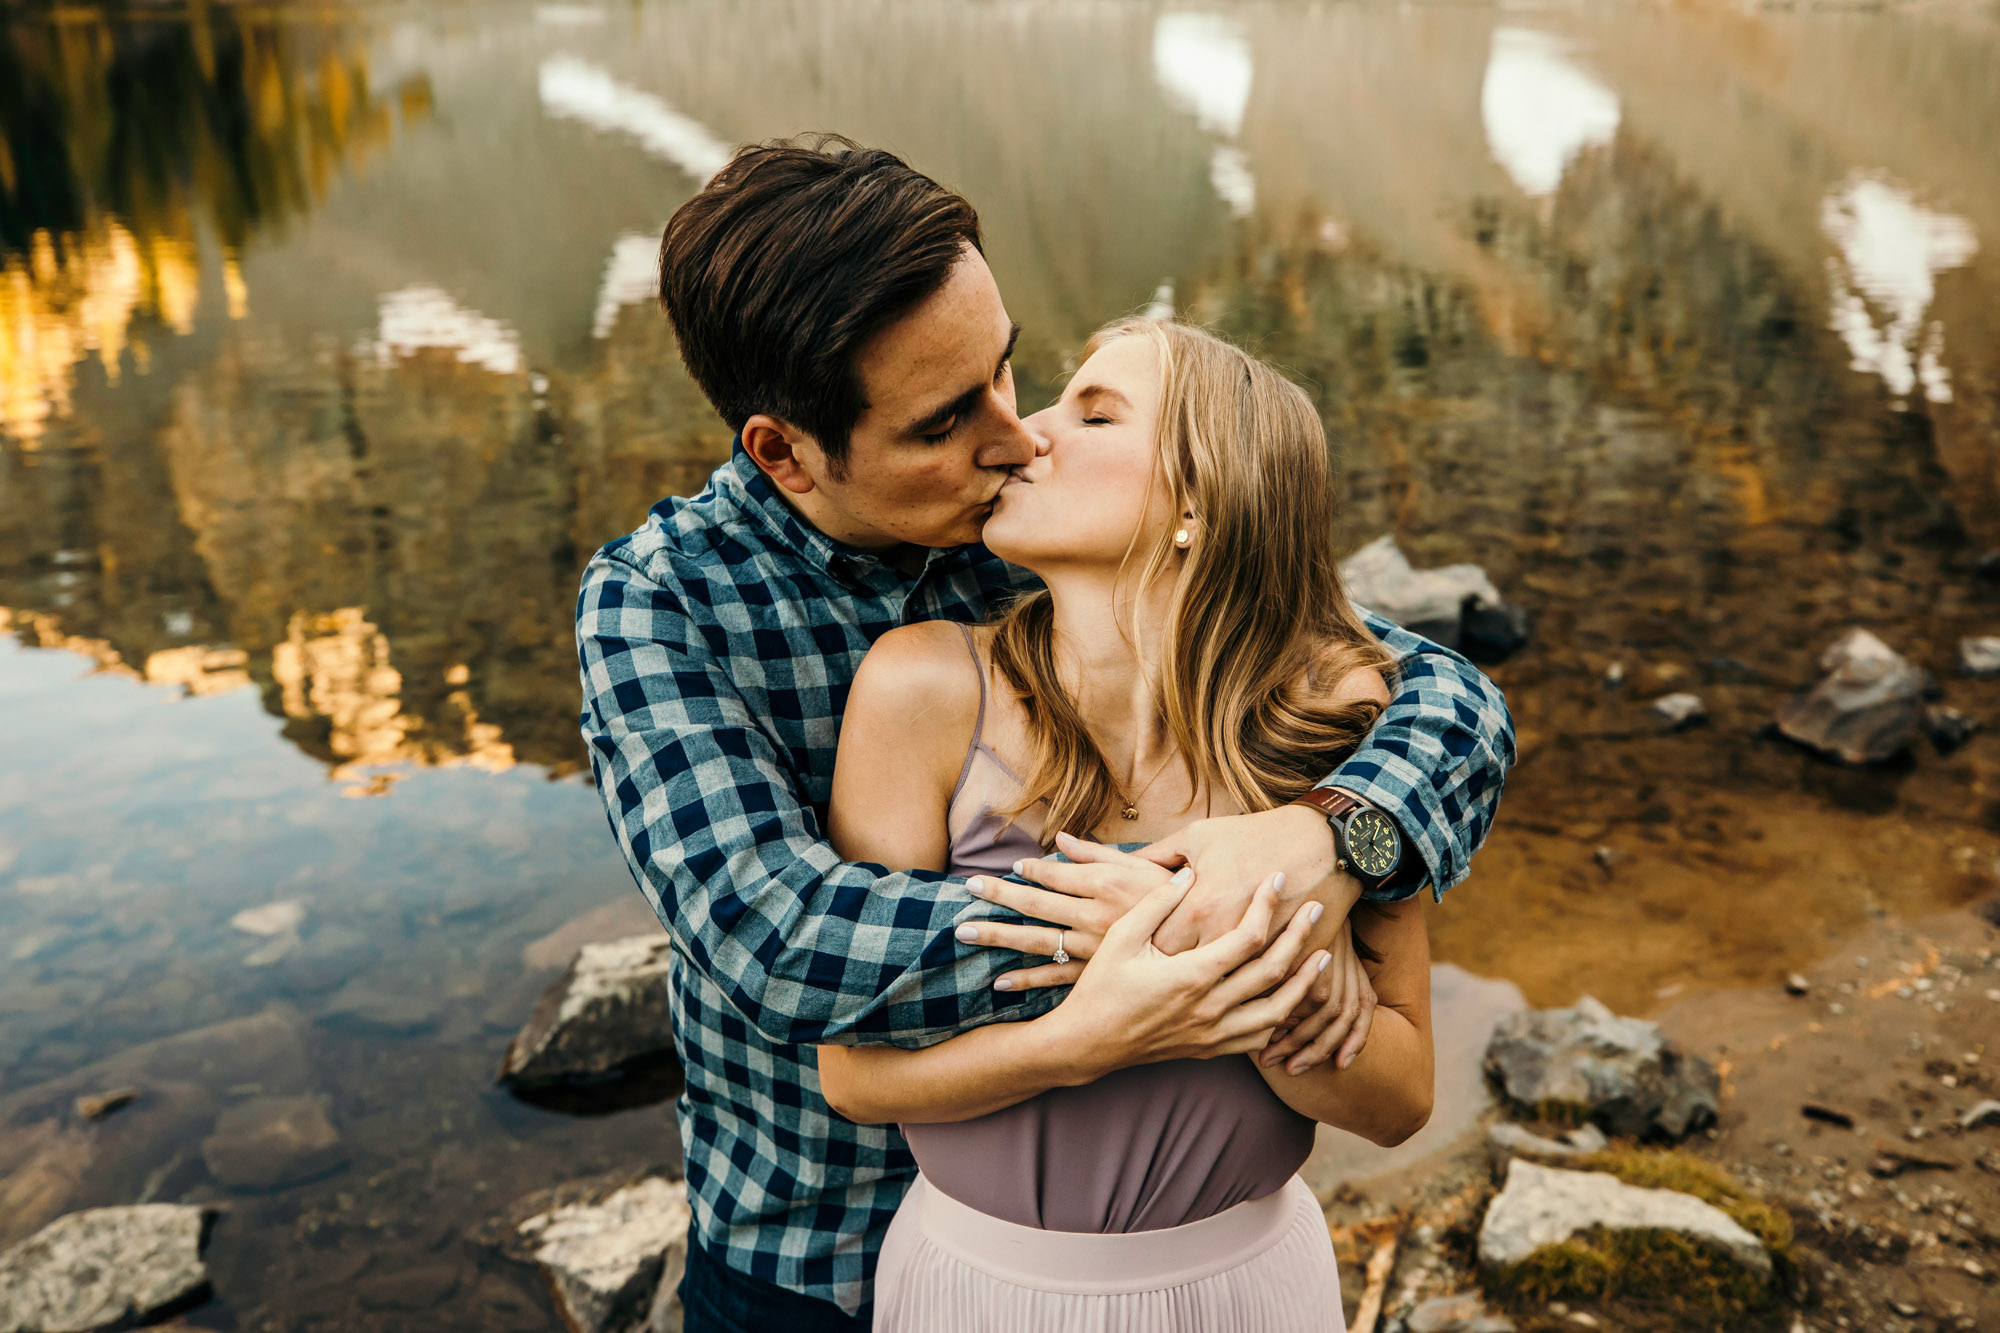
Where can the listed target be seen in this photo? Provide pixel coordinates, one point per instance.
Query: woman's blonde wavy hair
(1259, 627)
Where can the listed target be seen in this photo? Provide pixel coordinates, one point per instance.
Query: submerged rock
(1456, 605)
(1980, 656)
(364, 1006)
(1866, 709)
(104, 1268)
(610, 1017)
(272, 1142)
(614, 1266)
(1542, 1206)
(1621, 1073)
(1678, 712)
(1464, 1313)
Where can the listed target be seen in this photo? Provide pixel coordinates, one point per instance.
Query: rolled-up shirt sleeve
(1437, 758)
(704, 803)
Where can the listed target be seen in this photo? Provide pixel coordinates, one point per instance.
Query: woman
(1120, 1163)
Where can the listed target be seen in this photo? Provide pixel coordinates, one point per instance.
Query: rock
(363, 1006)
(1988, 567)
(609, 1017)
(1587, 1138)
(1464, 1313)
(1948, 728)
(1621, 1073)
(1980, 655)
(419, 1289)
(614, 1265)
(104, 1268)
(1614, 676)
(1678, 712)
(271, 919)
(1456, 605)
(1866, 709)
(99, 1105)
(1982, 1113)
(1797, 985)
(1542, 1205)
(272, 1142)
(623, 917)
(1505, 1142)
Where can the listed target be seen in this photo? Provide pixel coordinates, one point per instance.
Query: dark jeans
(718, 1299)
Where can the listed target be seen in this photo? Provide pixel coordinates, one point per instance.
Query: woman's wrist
(1065, 1053)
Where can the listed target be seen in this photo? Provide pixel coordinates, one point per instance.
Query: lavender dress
(1161, 1197)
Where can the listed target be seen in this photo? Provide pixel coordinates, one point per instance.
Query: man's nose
(1016, 442)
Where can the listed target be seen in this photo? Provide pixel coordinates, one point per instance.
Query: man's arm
(810, 949)
(1436, 760)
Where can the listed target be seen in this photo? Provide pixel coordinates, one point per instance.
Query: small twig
(1372, 1295)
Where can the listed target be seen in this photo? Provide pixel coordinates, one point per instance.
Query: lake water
(326, 359)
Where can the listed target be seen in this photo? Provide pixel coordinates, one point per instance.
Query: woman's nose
(1038, 426)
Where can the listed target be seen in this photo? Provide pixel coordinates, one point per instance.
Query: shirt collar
(757, 499)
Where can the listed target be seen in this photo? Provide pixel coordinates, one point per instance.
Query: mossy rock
(1676, 1279)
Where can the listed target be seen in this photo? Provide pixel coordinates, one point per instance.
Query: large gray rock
(271, 1142)
(1621, 1073)
(609, 1017)
(614, 1266)
(1457, 605)
(1544, 1205)
(1867, 708)
(104, 1268)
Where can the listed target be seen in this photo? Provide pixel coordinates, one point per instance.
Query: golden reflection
(336, 666)
(174, 140)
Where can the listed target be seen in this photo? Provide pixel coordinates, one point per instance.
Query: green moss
(1564, 1115)
(1666, 1169)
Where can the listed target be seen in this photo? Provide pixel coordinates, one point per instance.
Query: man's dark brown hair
(799, 250)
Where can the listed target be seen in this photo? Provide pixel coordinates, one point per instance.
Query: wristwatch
(1366, 841)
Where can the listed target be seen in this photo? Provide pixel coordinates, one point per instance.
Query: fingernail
(1295, 1068)
(1018, 867)
(1346, 1060)
(977, 888)
(1278, 882)
(1324, 959)
(967, 934)
(1315, 912)
(1005, 983)
(1182, 877)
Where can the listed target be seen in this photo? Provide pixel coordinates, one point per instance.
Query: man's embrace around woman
(1178, 670)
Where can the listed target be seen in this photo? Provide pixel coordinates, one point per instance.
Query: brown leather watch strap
(1330, 801)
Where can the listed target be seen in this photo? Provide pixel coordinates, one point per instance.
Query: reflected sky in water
(328, 354)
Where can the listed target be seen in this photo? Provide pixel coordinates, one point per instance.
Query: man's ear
(779, 448)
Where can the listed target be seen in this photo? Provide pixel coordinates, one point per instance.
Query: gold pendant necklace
(1131, 810)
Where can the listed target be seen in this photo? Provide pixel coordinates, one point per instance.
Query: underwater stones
(609, 1017)
(1678, 712)
(1463, 1313)
(1542, 1206)
(366, 1007)
(104, 1268)
(270, 1142)
(1623, 1074)
(1980, 655)
(1456, 605)
(1867, 707)
(615, 1265)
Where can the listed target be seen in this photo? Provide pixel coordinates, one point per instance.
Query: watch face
(1373, 843)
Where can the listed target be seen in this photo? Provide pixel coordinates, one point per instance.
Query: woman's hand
(1340, 1022)
(1136, 1005)
(1082, 899)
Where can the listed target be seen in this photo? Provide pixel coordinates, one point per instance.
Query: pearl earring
(1181, 538)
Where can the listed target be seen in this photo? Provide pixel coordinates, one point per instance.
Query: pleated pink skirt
(1265, 1266)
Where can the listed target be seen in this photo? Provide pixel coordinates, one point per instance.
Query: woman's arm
(1384, 1093)
(1133, 1005)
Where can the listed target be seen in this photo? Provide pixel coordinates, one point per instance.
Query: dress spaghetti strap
(979, 725)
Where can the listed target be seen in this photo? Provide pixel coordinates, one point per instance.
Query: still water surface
(326, 359)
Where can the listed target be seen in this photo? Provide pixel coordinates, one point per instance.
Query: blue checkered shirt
(716, 645)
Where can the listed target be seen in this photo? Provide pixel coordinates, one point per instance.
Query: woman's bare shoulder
(921, 674)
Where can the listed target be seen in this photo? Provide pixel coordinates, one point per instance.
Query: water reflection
(1541, 109)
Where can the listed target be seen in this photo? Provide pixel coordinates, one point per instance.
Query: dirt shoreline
(1897, 1212)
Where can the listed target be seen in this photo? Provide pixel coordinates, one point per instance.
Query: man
(835, 307)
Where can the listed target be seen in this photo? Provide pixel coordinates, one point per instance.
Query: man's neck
(901, 556)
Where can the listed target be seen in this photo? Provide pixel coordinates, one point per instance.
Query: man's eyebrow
(936, 421)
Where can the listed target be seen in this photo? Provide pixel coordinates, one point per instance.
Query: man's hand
(1232, 856)
(1083, 900)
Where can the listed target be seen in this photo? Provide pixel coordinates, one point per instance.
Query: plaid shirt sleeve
(1437, 759)
(807, 947)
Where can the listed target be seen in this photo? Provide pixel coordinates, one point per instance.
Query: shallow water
(326, 360)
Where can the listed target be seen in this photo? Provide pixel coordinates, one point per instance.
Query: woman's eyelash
(1097, 421)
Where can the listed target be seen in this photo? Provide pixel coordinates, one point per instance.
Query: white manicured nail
(967, 934)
